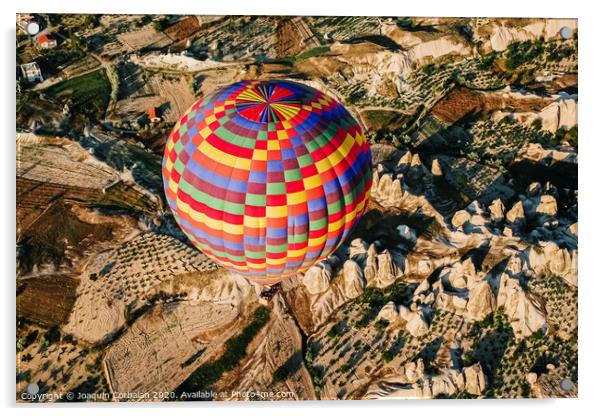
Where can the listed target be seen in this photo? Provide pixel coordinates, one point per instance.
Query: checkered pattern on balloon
(267, 177)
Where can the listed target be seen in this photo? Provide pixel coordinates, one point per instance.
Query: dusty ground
(463, 102)
(47, 300)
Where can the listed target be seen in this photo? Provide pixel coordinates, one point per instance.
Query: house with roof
(31, 72)
(46, 41)
(153, 115)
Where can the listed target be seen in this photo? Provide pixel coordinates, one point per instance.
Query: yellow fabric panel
(312, 182)
(223, 157)
(276, 212)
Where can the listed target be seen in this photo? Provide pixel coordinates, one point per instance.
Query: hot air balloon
(267, 177)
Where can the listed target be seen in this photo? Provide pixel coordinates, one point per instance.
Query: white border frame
(590, 152)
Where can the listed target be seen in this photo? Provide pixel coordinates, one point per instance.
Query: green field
(88, 94)
(320, 50)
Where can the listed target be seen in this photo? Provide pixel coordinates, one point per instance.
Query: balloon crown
(269, 101)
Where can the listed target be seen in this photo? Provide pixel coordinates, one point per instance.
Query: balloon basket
(269, 291)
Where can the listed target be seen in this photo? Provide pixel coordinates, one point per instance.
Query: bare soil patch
(46, 300)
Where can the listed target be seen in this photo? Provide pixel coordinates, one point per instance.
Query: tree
(386, 356)
(381, 324)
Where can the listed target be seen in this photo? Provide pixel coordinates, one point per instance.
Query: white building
(31, 72)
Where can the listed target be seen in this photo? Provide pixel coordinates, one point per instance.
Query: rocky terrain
(460, 281)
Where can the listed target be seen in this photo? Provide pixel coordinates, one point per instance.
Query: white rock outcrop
(475, 380)
(353, 279)
(358, 250)
(525, 316)
(535, 152)
(481, 301)
(368, 63)
(436, 169)
(453, 277)
(562, 113)
(413, 383)
(451, 302)
(386, 270)
(413, 371)
(371, 268)
(501, 34)
(497, 211)
(443, 46)
(460, 218)
(548, 259)
(404, 312)
(317, 278)
(416, 324)
(516, 215)
(388, 312)
(547, 205)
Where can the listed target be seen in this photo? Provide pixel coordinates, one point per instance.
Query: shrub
(281, 374)
(386, 356)
(381, 324)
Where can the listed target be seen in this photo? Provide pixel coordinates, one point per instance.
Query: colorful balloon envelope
(267, 177)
